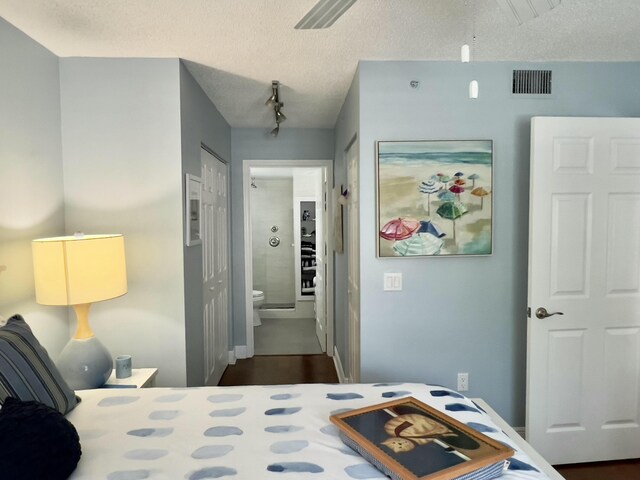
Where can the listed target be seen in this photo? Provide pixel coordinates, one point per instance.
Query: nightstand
(140, 378)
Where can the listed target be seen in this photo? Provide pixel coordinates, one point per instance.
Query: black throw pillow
(36, 442)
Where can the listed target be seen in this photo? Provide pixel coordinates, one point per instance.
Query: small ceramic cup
(123, 366)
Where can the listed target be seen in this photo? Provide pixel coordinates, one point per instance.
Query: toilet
(258, 300)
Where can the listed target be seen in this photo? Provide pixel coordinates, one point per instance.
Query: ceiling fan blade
(324, 14)
(524, 10)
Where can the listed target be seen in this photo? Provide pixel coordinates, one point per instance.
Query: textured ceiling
(234, 48)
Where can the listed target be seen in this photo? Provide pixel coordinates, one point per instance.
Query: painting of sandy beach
(435, 198)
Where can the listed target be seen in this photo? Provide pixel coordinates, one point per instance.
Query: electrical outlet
(463, 382)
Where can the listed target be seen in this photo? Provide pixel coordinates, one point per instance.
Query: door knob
(542, 313)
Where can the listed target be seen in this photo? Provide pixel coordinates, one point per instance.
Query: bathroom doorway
(287, 238)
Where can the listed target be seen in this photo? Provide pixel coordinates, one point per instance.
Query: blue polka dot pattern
(164, 414)
(151, 432)
(114, 401)
(330, 430)
(445, 393)
(211, 451)
(515, 464)
(256, 432)
(223, 431)
(129, 475)
(283, 429)
(212, 472)
(296, 467)
(400, 393)
(343, 396)
(229, 412)
(460, 407)
(481, 428)
(349, 451)
(340, 410)
(284, 396)
(364, 471)
(283, 411)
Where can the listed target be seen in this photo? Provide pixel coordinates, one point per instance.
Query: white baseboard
(232, 357)
(240, 351)
(338, 364)
(520, 431)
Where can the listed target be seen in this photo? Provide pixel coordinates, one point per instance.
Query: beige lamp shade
(79, 269)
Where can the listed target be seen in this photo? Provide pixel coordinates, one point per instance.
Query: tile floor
(286, 336)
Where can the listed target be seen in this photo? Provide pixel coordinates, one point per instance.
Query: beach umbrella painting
(451, 211)
(480, 192)
(446, 196)
(445, 179)
(420, 244)
(399, 228)
(428, 188)
(460, 182)
(427, 226)
(458, 174)
(457, 189)
(473, 177)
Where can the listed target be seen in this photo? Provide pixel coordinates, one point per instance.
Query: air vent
(531, 82)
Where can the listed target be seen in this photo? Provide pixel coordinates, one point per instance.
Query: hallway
(286, 336)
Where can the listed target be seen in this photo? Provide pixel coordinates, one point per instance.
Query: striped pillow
(27, 372)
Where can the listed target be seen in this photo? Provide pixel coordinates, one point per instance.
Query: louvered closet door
(215, 268)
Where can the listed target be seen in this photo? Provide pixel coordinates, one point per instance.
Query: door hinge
(528, 312)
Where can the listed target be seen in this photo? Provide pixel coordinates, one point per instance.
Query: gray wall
(465, 314)
(123, 174)
(257, 144)
(31, 197)
(201, 124)
(346, 132)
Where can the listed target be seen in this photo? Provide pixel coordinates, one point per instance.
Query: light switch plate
(392, 282)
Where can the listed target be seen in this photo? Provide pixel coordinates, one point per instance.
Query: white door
(215, 271)
(353, 262)
(321, 263)
(583, 367)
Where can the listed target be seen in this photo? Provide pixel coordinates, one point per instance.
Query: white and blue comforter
(253, 432)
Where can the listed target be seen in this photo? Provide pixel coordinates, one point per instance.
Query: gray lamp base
(85, 363)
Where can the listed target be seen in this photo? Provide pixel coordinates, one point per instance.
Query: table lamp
(79, 270)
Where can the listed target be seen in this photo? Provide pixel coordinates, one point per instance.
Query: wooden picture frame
(193, 200)
(434, 198)
(409, 440)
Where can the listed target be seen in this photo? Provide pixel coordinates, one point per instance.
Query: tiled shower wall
(273, 267)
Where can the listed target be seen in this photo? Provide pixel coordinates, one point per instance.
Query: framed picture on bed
(434, 198)
(409, 440)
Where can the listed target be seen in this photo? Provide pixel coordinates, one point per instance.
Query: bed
(248, 432)
(252, 432)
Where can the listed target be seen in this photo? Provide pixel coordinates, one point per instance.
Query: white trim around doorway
(248, 266)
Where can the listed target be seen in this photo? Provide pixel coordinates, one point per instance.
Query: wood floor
(286, 369)
(620, 470)
(280, 369)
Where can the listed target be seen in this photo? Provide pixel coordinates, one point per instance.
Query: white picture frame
(193, 201)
